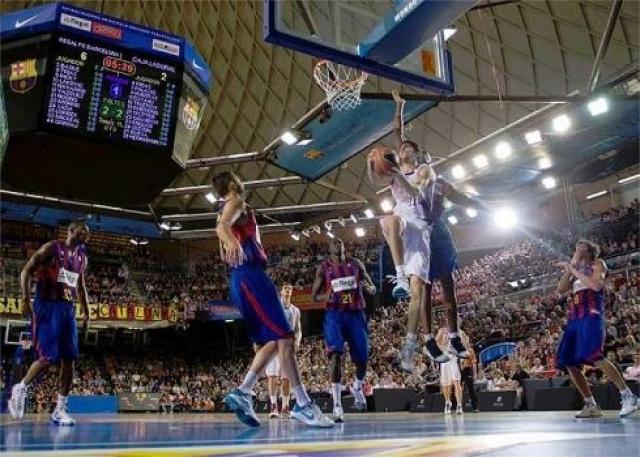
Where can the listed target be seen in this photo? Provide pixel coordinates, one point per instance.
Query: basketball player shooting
(59, 268)
(343, 279)
(258, 301)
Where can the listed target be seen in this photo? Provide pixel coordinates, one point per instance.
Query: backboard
(402, 40)
(336, 136)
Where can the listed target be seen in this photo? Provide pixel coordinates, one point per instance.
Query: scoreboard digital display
(112, 94)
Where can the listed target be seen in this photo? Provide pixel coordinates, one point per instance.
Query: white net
(342, 84)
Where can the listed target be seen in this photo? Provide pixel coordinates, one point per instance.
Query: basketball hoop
(342, 84)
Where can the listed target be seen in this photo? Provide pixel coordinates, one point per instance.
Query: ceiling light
(452, 220)
(175, 227)
(447, 204)
(328, 225)
(369, 213)
(289, 137)
(386, 205)
(360, 232)
(549, 182)
(503, 150)
(561, 123)
(305, 233)
(211, 197)
(296, 137)
(228, 321)
(505, 218)
(628, 179)
(596, 195)
(295, 236)
(342, 222)
(133, 241)
(316, 229)
(471, 190)
(533, 137)
(354, 218)
(480, 161)
(331, 235)
(449, 32)
(471, 212)
(165, 226)
(458, 172)
(544, 163)
(598, 106)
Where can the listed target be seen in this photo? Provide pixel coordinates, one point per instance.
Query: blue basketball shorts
(350, 327)
(582, 342)
(444, 258)
(54, 330)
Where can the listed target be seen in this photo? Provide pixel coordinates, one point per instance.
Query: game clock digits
(112, 94)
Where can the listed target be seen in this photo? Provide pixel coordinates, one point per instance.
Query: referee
(469, 370)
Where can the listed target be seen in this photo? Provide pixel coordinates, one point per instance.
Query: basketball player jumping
(59, 268)
(273, 370)
(259, 303)
(443, 260)
(342, 278)
(583, 339)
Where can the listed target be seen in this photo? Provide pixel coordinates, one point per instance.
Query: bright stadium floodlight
(211, 197)
(596, 195)
(533, 137)
(452, 220)
(480, 161)
(544, 163)
(458, 172)
(447, 204)
(471, 212)
(628, 179)
(505, 218)
(175, 226)
(360, 232)
(598, 106)
(289, 137)
(369, 213)
(331, 235)
(296, 137)
(353, 218)
(295, 236)
(549, 182)
(448, 32)
(503, 150)
(386, 205)
(164, 226)
(133, 241)
(228, 321)
(561, 123)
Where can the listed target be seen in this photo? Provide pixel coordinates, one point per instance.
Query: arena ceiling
(514, 48)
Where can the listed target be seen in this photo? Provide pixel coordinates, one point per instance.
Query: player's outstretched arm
(565, 281)
(45, 252)
(455, 196)
(316, 296)
(399, 116)
(594, 281)
(368, 283)
(297, 330)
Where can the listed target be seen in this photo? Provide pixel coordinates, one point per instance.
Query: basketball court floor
(526, 434)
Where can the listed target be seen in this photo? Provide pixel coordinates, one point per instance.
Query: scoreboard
(94, 102)
(111, 94)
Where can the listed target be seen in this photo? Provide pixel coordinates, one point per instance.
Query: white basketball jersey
(292, 313)
(406, 204)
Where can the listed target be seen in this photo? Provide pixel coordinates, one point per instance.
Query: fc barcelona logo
(23, 76)
(314, 154)
(191, 114)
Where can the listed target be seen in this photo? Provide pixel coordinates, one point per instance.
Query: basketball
(382, 160)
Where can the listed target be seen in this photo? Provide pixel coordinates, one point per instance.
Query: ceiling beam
(550, 99)
(604, 45)
(222, 160)
(255, 184)
(324, 206)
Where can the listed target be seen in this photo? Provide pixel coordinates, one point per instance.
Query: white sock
(62, 400)
(626, 391)
(302, 397)
(336, 391)
(400, 271)
(274, 400)
(429, 336)
(412, 339)
(590, 400)
(453, 334)
(22, 384)
(250, 381)
(357, 384)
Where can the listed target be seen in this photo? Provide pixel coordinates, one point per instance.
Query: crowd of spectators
(534, 318)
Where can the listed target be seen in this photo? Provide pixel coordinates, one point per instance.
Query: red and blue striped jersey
(343, 282)
(248, 236)
(586, 301)
(58, 279)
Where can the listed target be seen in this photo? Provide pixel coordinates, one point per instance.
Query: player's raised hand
(566, 266)
(397, 97)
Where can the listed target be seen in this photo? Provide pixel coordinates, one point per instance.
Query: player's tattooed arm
(316, 296)
(368, 283)
(43, 254)
(595, 281)
(232, 252)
